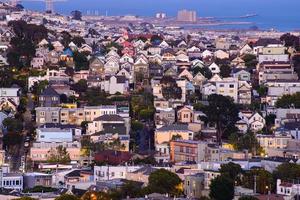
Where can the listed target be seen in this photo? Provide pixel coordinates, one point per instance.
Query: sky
(272, 12)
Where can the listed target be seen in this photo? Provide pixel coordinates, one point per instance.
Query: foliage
(13, 125)
(141, 106)
(95, 97)
(205, 71)
(81, 61)
(39, 87)
(222, 112)
(150, 160)
(263, 179)
(250, 60)
(221, 188)
(170, 90)
(164, 182)
(58, 155)
(128, 189)
(22, 45)
(289, 101)
(67, 197)
(39, 189)
(231, 169)
(225, 71)
(287, 171)
(81, 86)
(247, 141)
(136, 126)
(291, 40)
(79, 41)
(262, 90)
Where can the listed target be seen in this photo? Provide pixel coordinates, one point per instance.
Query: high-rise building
(187, 16)
(161, 15)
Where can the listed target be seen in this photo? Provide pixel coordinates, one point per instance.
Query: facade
(186, 16)
(194, 185)
(34, 179)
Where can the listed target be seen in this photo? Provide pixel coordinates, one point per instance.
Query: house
(246, 49)
(238, 62)
(220, 54)
(287, 188)
(9, 98)
(34, 179)
(228, 87)
(13, 181)
(96, 66)
(194, 185)
(185, 114)
(111, 66)
(165, 134)
(114, 123)
(49, 98)
(37, 62)
(113, 158)
(115, 84)
(214, 68)
(103, 173)
(255, 122)
(164, 116)
(244, 93)
(241, 74)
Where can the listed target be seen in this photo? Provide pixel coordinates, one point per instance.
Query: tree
(81, 61)
(22, 45)
(59, 155)
(225, 71)
(76, 14)
(231, 169)
(67, 197)
(164, 182)
(13, 125)
(291, 40)
(263, 179)
(287, 171)
(222, 112)
(289, 101)
(250, 60)
(81, 86)
(221, 188)
(38, 87)
(205, 71)
(170, 90)
(248, 198)
(78, 41)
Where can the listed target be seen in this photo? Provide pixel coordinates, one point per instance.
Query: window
(231, 86)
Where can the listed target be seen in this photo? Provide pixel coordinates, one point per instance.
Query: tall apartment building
(187, 16)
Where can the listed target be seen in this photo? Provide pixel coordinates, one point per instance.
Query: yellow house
(166, 133)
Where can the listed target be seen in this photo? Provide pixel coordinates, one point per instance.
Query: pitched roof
(109, 118)
(49, 91)
(174, 127)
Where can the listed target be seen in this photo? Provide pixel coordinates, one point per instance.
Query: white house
(114, 84)
(103, 173)
(214, 68)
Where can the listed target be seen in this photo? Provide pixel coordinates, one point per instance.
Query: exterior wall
(40, 151)
(166, 136)
(10, 181)
(102, 173)
(54, 135)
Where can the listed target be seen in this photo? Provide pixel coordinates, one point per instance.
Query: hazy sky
(204, 7)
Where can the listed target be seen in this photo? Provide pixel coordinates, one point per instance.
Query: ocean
(282, 15)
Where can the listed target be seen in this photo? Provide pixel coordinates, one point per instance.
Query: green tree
(289, 101)
(81, 61)
(13, 125)
(221, 188)
(231, 169)
(225, 71)
(170, 90)
(250, 60)
(287, 171)
(81, 86)
(59, 155)
(39, 87)
(222, 112)
(164, 182)
(67, 197)
(263, 179)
